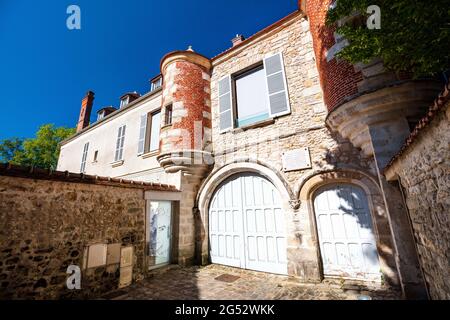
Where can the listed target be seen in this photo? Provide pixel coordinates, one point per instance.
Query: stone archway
(307, 188)
(215, 179)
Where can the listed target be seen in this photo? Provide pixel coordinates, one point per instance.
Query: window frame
(154, 85)
(234, 104)
(124, 101)
(168, 114)
(233, 92)
(148, 135)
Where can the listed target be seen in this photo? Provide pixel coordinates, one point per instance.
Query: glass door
(160, 232)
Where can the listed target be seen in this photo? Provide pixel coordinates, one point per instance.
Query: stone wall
(424, 173)
(45, 226)
(303, 127)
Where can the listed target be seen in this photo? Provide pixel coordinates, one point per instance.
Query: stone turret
(185, 140)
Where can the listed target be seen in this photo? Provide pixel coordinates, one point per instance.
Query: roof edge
(11, 170)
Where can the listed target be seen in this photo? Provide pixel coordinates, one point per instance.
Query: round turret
(185, 139)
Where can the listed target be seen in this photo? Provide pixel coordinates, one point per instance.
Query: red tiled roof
(442, 100)
(65, 176)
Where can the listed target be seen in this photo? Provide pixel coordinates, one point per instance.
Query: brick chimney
(85, 112)
(238, 39)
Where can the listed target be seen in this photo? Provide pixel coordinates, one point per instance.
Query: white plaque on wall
(297, 159)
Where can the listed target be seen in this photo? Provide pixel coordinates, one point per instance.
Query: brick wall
(45, 226)
(186, 87)
(338, 78)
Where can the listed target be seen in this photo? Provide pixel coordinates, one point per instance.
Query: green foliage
(41, 151)
(414, 35)
(9, 147)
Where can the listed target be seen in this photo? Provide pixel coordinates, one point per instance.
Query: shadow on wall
(342, 162)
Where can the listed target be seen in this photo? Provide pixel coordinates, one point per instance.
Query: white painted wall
(103, 138)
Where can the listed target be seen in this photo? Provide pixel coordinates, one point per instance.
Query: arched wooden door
(346, 236)
(247, 225)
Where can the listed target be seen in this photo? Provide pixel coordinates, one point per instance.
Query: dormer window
(104, 112)
(100, 115)
(128, 98)
(124, 101)
(156, 83)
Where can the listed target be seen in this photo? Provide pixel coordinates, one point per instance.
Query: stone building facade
(278, 150)
(422, 169)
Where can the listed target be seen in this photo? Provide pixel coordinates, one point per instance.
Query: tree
(41, 151)
(9, 147)
(414, 35)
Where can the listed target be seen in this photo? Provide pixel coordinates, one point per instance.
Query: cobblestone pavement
(200, 283)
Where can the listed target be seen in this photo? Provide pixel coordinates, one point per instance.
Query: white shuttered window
(120, 143)
(260, 93)
(84, 157)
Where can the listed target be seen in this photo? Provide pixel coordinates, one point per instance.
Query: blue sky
(46, 69)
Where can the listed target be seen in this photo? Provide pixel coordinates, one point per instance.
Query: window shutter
(119, 144)
(119, 134)
(225, 104)
(142, 131)
(122, 143)
(276, 85)
(84, 157)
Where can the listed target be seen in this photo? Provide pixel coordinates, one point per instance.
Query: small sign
(297, 159)
(126, 266)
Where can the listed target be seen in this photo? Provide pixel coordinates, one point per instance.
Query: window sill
(254, 125)
(149, 154)
(117, 163)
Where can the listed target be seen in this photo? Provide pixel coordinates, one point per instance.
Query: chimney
(302, 5)
(238, 39)
(85, 112)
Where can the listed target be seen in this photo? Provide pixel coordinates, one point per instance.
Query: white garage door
(347, 241)
(246, 225)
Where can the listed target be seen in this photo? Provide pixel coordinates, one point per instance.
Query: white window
(154, 131)
(254, 95)
(84, 157)
(168, 115)
(119, 144)
(251, 97)
(124, 101)
(101, 115)
(149, 132)
(156, 84)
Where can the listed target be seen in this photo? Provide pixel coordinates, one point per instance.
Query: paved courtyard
(238, 284)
